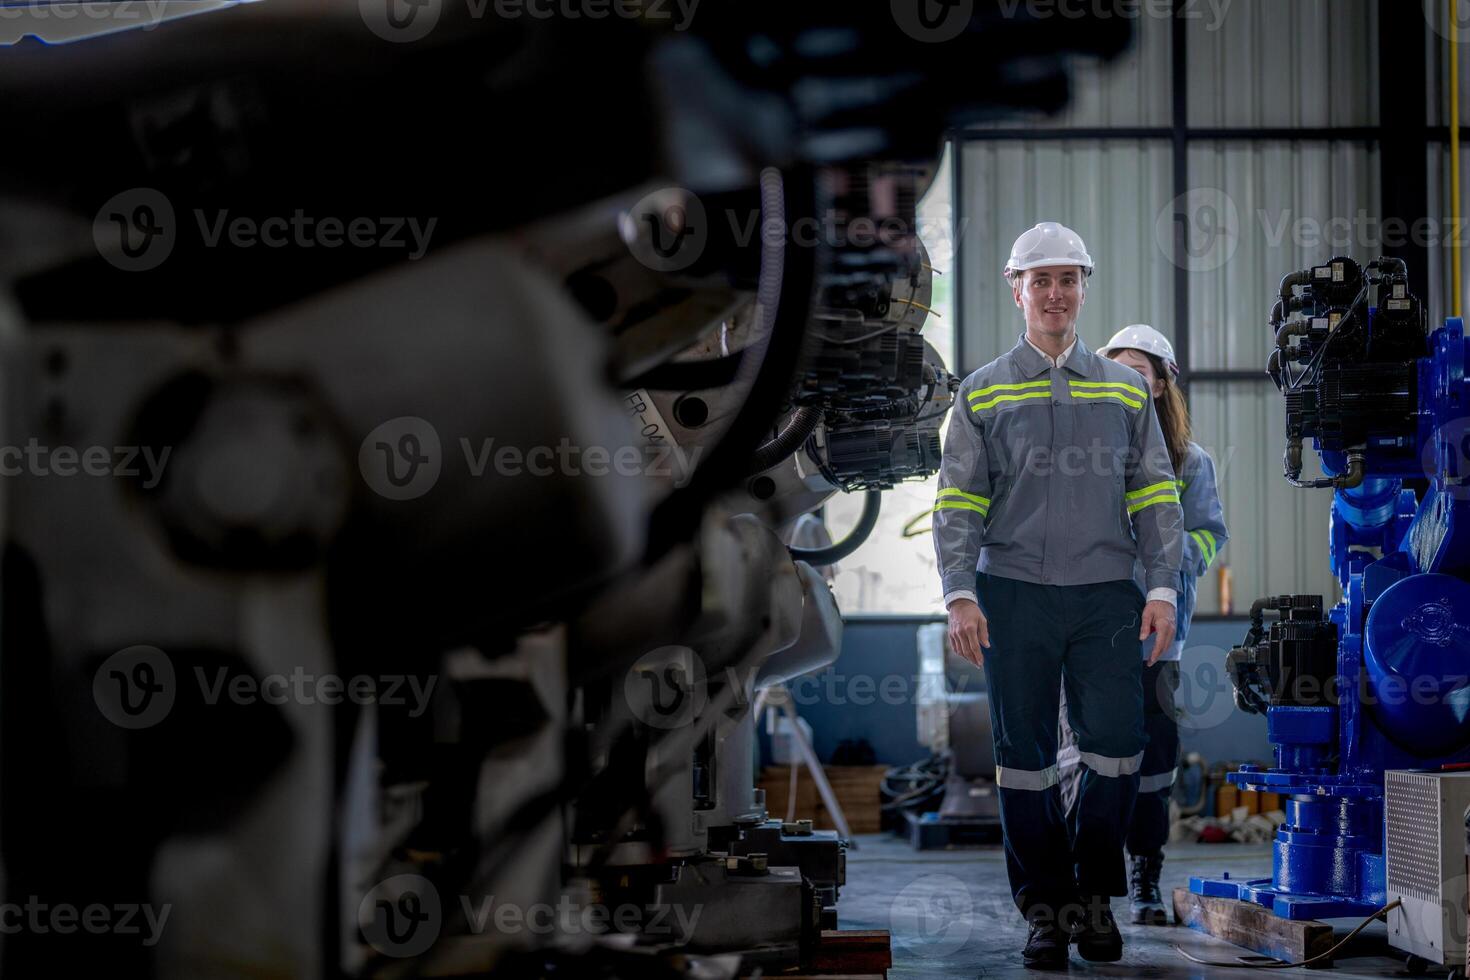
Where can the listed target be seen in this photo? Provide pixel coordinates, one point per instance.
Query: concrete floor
(951, 916)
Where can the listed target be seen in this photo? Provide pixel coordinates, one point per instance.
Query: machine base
(1283, 904)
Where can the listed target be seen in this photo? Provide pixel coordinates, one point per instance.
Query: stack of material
(856, 789)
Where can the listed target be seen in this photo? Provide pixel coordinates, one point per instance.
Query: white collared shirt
(1055, 362)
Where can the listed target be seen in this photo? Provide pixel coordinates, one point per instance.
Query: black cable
(867, 520)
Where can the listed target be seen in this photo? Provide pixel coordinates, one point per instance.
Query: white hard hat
(1048, 243)
(1141, 336)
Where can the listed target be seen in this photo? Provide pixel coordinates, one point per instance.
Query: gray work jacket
(1058, 476)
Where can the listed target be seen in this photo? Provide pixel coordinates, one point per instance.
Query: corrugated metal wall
(1109, 192)
(1258, 209)
(1285, 63)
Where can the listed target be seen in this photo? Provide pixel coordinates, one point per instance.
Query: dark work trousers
(1149, 831)
(1083, 637)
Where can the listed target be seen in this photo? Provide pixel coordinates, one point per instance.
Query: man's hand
(969, 631)
(1158, 619)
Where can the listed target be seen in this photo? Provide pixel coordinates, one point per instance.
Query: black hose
(803, 423)
(836, 552)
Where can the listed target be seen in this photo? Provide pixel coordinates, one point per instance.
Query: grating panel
(1413, 819)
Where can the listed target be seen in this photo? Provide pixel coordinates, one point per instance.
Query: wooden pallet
(1254, 927)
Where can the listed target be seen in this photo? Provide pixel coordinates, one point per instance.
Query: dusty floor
(951, 916)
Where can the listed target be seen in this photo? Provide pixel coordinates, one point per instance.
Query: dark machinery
(392, 292)
(1381, 680)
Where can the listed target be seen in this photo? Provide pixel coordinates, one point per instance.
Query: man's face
(1050, 297)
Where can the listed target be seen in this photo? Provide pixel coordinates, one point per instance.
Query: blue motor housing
(1382, 679)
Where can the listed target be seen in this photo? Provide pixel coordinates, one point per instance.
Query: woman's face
(1138, 361)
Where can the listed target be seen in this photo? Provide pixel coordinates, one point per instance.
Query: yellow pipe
(1454, 37)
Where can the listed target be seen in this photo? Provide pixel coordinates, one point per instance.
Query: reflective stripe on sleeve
(1032, 779)
(971, 497)
(961, 505)
(1162, 497)
(1206, 542)
(1107, 765)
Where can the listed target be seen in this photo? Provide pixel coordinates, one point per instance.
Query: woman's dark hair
(1173, 413)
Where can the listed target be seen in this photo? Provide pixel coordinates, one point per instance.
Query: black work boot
(1046, 943)
(1145, 904)
(1096, 933)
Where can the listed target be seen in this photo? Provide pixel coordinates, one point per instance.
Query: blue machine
(1382, 681)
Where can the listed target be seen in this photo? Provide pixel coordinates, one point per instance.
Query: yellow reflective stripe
(1135, 494)
(973, 498)
(1207, 545)
(1163, 498)
(1009, 398)
(1116, 395)
(960, 505)
(1109, 384)
(1008, 387)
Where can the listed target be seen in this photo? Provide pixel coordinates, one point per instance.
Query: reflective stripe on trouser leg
(1156, 782)
(1029, 779)
(1112, 766)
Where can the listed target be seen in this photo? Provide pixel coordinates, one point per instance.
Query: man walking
(1055, 479)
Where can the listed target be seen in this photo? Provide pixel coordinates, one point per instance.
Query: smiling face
(1140, 362)
(1051, 297)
